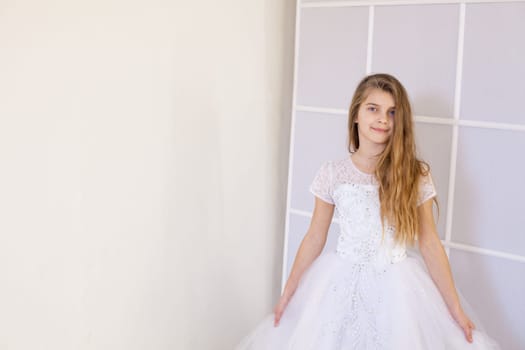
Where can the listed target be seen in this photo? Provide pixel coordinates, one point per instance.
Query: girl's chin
(377, 143)
(376, 138)
(379, 138)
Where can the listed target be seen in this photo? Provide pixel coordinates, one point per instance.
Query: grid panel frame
(455, 122)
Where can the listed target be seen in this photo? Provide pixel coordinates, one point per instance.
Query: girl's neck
(367, 158)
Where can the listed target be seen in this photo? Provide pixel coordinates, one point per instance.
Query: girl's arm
(438, 265)
(310, 248)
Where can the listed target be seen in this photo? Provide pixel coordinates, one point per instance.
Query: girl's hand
(279, 308)
(465, 323)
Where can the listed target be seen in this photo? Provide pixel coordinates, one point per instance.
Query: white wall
(143, 163)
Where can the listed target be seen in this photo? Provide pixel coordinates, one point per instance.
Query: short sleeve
(321, 186)
(427, 189)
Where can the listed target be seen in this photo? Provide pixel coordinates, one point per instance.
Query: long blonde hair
(398, 170)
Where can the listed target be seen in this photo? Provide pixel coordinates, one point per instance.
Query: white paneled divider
(462, 64)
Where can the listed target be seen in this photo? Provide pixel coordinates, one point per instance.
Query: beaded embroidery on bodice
(356, 198)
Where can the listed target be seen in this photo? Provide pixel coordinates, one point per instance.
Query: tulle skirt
(356, 306)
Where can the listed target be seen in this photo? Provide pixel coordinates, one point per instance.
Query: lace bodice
(356, 199)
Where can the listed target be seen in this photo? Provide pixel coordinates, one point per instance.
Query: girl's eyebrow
(375, 104)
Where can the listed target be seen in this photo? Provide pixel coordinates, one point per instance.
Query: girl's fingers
(279, 308)
(277, 318)
(468, 332)
(471, 326)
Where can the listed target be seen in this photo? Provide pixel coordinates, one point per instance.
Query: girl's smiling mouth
(379, 130)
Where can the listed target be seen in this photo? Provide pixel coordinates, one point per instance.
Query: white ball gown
(368, 293)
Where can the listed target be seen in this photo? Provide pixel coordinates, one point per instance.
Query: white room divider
(462, 64)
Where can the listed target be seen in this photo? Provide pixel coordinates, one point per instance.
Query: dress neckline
(357, 169)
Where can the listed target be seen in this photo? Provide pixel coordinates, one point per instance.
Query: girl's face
(375, 119)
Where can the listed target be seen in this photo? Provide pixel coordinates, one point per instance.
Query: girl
(371, 292)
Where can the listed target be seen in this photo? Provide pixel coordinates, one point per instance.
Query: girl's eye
(373, 109)
(392, 113)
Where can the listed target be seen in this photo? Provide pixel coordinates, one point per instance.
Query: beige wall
(143, 168)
